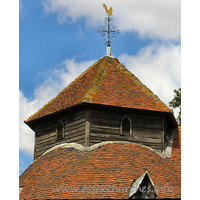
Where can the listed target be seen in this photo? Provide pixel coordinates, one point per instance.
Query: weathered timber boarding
(46, 131)
(168, 134)
(91, 124)
(87, 129)
(145, 128)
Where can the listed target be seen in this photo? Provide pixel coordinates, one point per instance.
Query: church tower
(105, 103)
(99, 134)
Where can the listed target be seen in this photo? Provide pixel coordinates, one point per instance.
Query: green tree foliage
(176, 102)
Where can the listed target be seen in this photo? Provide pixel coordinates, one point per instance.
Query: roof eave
(31, 123)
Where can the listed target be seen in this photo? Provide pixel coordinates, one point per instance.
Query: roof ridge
(95, 83)
(61, 92)
(93, 80)
(144, 88)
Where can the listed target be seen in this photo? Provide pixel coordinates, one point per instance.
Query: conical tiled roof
(106, 82)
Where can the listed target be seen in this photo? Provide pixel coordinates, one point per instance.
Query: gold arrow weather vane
(109, 12)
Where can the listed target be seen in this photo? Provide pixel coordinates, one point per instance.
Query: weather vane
(106, 30)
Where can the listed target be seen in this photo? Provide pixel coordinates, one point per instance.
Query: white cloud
(154, 18)
(20, 7)
(26, 135)
(158, 67)
(58, 79)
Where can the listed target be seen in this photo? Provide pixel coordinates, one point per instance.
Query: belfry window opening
(126, 126)
(60, 130)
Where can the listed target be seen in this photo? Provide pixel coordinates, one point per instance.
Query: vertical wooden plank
(34, 157)
(87, 129)
(162, 136)
(56, 133)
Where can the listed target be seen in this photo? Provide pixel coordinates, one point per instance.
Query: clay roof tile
(106, 82)
(110, 165)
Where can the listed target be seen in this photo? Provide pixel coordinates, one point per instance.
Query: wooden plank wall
(74, 126)
(146, 129)
(167, 133)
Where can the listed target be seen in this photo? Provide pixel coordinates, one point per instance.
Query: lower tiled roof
(100, 172)
(176, 153)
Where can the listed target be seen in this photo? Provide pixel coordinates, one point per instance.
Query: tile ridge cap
(143, 87)
(61, 92)
(95, 84)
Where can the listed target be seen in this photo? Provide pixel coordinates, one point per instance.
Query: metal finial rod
(106, 30)
(145, 168)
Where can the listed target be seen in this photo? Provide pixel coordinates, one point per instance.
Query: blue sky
(58, 40)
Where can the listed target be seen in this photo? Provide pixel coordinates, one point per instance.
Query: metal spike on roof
(145, 169)
(107, 31)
